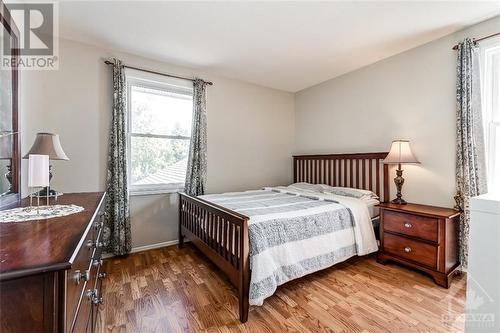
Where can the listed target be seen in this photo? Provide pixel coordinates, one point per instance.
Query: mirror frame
(13, 198)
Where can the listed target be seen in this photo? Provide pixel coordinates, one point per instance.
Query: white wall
(250, 132)
(410, 95)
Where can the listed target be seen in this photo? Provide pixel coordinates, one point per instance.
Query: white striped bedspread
(293, 233)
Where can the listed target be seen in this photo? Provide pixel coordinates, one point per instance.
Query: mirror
(9, 134)
(6, 166)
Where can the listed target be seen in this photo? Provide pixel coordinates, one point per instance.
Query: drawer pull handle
(81, 276)
(407, 249)
(94, 244)
(101, 275)
(408, 225)
(78, 277)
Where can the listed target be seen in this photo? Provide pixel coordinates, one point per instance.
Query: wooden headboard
(361, 171)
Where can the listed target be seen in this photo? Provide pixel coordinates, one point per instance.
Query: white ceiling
(283, 45)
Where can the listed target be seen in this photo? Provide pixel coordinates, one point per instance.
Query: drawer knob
(90, 294)
(408, 225)
(103, 216)
(81, 276)
(99, 225)
(407, 249)
(97, 262)
(93, 296)
(97, 300)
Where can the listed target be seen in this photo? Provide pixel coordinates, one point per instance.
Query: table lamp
(400, 153)
(48, 144)
(38, 174)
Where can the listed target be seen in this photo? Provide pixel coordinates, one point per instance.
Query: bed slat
(348, 170)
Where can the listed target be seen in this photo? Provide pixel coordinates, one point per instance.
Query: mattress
(293, 233)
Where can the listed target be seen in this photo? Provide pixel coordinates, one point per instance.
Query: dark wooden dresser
(420, 236)
(50, 270)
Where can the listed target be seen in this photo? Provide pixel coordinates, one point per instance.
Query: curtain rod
(107, 62)
(479, 39)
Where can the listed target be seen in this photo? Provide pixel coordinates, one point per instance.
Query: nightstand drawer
(411, 225)
(416, 251)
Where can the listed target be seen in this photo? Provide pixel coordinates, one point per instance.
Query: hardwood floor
(172, 290)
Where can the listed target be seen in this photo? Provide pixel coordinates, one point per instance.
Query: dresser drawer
(82, 320)
(411, 225)
(413, 250)
(98, 223)
(81, 278)
(77, 278)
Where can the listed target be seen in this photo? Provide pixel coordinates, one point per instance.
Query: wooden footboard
(222, 235)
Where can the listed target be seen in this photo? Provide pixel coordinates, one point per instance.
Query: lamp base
(399, 201)
(52, 193)
(399, 181)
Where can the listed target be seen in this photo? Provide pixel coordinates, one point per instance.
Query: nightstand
(422, 237)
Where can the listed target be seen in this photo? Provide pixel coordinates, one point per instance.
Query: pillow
(349, 192)
(306, 187)
(345, 191)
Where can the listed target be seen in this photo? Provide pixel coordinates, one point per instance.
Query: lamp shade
(38, 170)
(47, 144)
(400, 153)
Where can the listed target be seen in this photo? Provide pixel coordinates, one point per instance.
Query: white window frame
(158, 82)
(489, 84)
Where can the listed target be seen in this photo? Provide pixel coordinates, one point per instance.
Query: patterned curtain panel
(117, 236)
(470, 160)
(197, 162)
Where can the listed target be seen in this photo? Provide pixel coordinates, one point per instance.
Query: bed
(264, 238)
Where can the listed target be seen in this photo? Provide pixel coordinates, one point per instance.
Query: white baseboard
(145, 248)
(154, 246)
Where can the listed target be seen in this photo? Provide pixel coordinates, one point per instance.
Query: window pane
(495, 86)
(494, 183)
(491, 109)
(158, 161)
(155, 111)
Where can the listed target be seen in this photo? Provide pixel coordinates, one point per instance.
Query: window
(490, 55)
(160, 114)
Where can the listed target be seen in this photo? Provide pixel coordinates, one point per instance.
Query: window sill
(134, 193)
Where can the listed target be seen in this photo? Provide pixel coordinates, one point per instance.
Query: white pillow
(349, 192)
(345, 191)
(306, 187)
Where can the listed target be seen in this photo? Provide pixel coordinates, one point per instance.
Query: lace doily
(23, 214)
